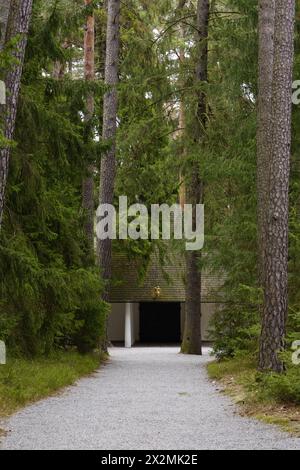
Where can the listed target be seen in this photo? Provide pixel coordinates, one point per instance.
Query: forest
(165, 100)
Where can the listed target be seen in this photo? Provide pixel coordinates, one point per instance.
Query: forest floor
(238, 379)
(142, 398)
(25, 381)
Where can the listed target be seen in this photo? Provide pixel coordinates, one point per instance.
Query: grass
(25, 381)
(238, 378)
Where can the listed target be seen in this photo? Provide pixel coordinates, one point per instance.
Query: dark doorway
(160, 322)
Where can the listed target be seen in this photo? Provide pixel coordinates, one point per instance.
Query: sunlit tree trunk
(264, 124)
(101, 27)
(192, 340)
(110, 107)
(17, 25)
(89, 73)
(276, 294)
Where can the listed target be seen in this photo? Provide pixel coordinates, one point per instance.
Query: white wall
(116, 321)
(208, 311)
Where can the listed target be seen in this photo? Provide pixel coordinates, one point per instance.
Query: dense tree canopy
(171, 120)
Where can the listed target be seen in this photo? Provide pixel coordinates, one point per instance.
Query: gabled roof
(128, 287)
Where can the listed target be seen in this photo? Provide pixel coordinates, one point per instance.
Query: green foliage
(235, 331)
(231, 174)
(241, 367)
(6, 62)
(50, 289)
(147, 171)
(259, 387)
(24, 381)
(227, 165)
(282, 388)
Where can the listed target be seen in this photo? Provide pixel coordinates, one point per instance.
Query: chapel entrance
(160, 322)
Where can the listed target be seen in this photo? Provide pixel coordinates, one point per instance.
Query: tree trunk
(264, 124)
(192, 340)
(88, 182)
(110, 107)
(182, 120)
(101, 42)
(18, 24)
(276, 295)
(4, 13)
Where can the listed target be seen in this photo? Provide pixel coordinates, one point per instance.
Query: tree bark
(182, 120)
(276, 290)
(264, 124)
(18, 24)
(101, 42)
(4, 13)
(192, 340)
(110, 107)
(88, 182)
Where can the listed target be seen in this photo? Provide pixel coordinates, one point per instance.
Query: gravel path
(144, 398)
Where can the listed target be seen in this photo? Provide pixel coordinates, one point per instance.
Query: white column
(2, 92)
(128, 325)
(2, 353)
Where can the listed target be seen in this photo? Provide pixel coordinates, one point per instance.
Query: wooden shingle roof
(128, 287)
